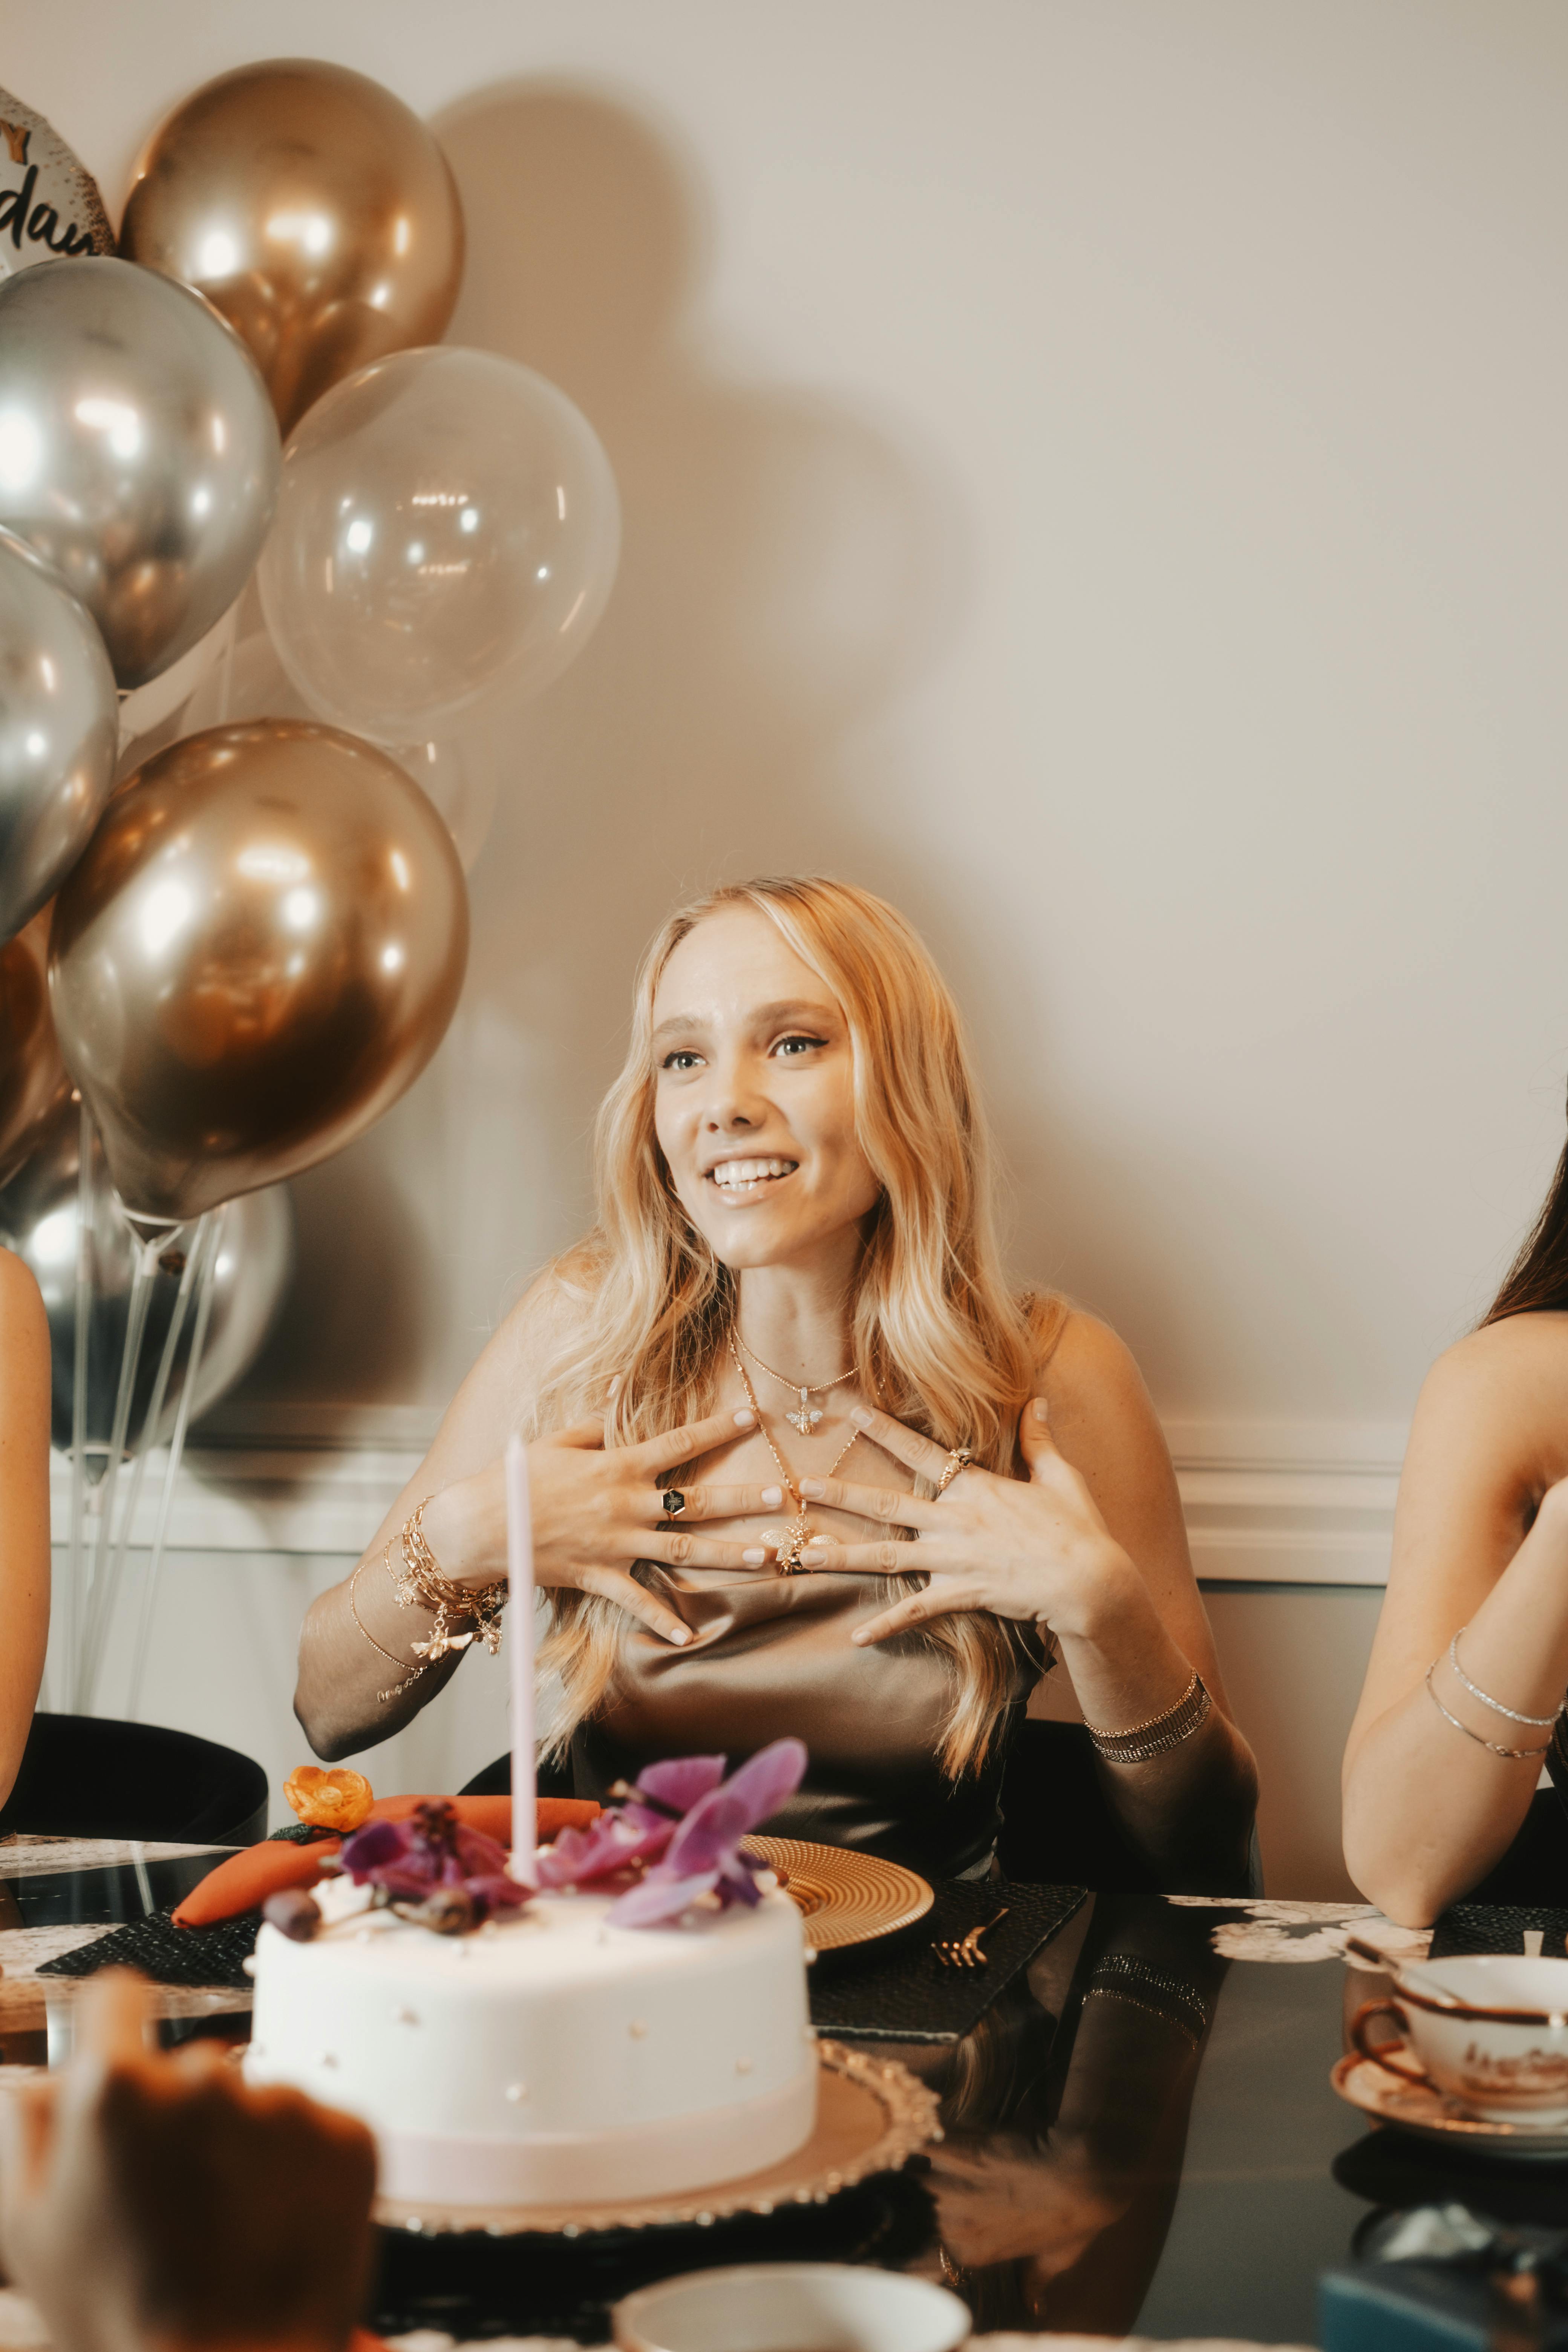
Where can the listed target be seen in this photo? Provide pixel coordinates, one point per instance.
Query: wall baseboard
(1266, 1502)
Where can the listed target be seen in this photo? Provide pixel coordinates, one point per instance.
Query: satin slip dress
(771, 1655)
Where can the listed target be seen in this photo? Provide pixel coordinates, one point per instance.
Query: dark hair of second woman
(1537, 1281)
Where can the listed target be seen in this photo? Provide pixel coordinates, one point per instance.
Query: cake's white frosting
(550, 2057)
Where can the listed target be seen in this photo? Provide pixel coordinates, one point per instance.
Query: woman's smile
(748, 1179)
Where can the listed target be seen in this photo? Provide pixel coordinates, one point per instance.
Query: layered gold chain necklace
(797, 1535)
(808, 1417)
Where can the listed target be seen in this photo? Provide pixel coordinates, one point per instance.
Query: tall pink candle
(520, 1610)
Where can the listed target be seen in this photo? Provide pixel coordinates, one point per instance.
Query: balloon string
(71, 1665)
(130, 1362)
(154, 1412)
(211, 1226)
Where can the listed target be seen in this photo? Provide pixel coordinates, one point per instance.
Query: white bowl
(791, 2307)
(1503, 2054)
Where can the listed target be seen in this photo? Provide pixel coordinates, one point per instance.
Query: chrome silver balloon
(59, 733)
(138, 451)
(256, 1260)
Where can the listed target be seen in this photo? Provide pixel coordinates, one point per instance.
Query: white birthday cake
(551, 2056)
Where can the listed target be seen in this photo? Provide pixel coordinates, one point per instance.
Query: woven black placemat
(898, 1990)
(1498, 1928)
(169, 1955)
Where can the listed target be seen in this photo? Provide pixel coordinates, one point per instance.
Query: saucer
(1417, 2108)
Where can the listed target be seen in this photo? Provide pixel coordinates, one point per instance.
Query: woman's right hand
(596, 1510)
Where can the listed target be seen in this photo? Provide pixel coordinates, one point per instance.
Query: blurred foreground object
(156, 2199)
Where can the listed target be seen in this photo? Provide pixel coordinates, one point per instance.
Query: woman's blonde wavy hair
(936, 1330)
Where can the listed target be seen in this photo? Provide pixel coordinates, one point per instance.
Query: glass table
(1139, 2133)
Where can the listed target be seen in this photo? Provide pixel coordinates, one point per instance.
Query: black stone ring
(672, 1502)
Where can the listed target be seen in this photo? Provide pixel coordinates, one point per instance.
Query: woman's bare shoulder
(1089, 1378)
(548, 1316)
(1500, 1394)
(21, 1303)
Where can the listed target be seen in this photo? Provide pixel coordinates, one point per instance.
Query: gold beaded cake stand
(872, 2115)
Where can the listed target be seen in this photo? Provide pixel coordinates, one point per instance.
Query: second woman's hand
(598, 1509)
(1036, 1552)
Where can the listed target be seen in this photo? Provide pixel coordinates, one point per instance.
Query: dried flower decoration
(419, 1865)
(329, 1800)
(680, 1827)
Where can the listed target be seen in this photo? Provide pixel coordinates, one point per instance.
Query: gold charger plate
(843, 1897)
(872, 2115)
(1423, 2111)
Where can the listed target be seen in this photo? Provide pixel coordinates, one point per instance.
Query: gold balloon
(33, 1082)
(259, 953)
(313, 209)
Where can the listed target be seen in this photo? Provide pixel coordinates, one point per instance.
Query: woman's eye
(792, 1047)
(680, 1060)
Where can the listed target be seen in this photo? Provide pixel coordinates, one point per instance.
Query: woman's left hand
(1036, 1552)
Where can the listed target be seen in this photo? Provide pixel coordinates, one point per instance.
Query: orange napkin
(243, 1881)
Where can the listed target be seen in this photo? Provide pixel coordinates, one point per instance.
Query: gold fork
(966, 1953)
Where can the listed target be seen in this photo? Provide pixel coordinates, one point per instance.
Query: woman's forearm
(1189, 1812)
(1430, 1808)
(357, 1682)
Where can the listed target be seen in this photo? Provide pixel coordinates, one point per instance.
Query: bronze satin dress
(771, 1655)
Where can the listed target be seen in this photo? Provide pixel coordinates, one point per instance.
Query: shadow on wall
(792, 568)
(786, 568)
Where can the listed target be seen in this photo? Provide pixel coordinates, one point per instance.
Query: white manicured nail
(814, 1487)
(680, 1635)
(1042, 1409)
(755, 1558)
(745, 1417)
(772, 1498)
(861, 1415)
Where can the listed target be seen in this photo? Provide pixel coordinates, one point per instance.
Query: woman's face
(753, 1101)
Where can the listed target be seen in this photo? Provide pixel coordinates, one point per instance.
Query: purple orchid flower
(704, 1855)
(410, 1859)
(634, 1832)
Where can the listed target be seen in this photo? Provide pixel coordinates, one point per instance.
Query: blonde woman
(801, 1459)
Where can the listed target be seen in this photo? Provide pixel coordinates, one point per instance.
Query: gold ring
(959, 1459)
(672, 1502)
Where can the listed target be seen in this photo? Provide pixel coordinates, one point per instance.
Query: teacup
(1491, 2034)
(791, 2307)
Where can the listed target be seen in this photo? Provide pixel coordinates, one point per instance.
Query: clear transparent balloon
(59, 731)
(255, 1262)
(448, 523)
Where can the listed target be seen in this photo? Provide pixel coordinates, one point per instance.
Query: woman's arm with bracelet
(1470, 1660)
(378, 1646)
(1091, 1547)
(24, 1507)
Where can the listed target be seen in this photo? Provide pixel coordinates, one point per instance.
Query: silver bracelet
(1160, 1734)
(1514, 1753)
(1536, 1722)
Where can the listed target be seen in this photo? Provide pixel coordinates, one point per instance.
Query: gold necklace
(797, 1535)
(806, 1419)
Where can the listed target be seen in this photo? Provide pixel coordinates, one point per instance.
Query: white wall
(1094, 471)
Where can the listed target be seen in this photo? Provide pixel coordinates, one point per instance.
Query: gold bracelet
(411, 1673)
(450, 1603)
(1142, 1741)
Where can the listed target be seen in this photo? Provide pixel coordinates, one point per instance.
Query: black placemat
(194, 1956)
(1497, 1928)
(898, 1990)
